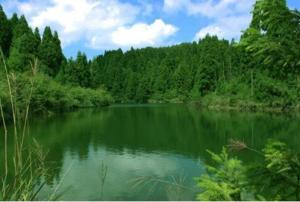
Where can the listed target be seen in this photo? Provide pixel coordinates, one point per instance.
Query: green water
(165, 145)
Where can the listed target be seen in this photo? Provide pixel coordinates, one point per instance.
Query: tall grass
(174, 186)
(25, 165)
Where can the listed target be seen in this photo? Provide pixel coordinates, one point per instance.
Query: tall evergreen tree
(23, 48)
(131, 86)
(182, 78)
(13, 21)
(77, 72)
(59, 57)
(50, 52)
(21, 27)
(5, 32)
(37, 39)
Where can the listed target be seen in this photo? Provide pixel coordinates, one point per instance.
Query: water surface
(146, 152)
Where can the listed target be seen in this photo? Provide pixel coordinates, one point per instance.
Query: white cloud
(143, 34)
(220, 8)
(94, 22)
(227, 27)
(174, 5)
(211, 30)
(228, 17)
(209, 8)
(147, 7)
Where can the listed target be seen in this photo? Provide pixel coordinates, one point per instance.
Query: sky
(93, 26)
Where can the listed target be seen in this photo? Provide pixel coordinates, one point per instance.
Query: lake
(146, 152)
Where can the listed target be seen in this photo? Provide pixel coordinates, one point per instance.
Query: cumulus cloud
(141, 34)
(220, 8)
(175, 5)
(228, 17)
(211, 30)
(229, 27)
(94, 22)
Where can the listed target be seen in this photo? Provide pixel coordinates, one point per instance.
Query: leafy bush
(236, 87)
(277, 178)
(224, 182)
(273, 91)
(47, 94)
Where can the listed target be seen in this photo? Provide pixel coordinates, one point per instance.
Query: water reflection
(161, 141)
(83, 177)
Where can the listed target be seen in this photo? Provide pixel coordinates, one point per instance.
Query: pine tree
(13, 21)
(182, 78)
(22, 52)
(50, 52)
(58, 50)
(77, 72)
(131, 86)
(5, 32)
(21, 27)
(83, 71)
(23, 46)
(37, 39)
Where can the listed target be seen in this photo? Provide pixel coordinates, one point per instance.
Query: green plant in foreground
(280, 172)
(277, 178)
(226, 181)
(21, 179)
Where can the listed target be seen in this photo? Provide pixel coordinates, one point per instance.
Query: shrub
(49, 95)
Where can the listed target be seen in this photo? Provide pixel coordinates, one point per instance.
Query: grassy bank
(229, 103)
(47, 95)
(20, 95)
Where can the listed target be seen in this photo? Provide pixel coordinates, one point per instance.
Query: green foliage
(48, 95)
(274, 91)
(260, 70)
(77, 72)
(273, 38)
(280, 172)
(50, 52)
(22, 51)
(5, 32)
(182, 79)
(224, 182)
(236, 87)
(275, 179)
(161, 74)
(23, 46)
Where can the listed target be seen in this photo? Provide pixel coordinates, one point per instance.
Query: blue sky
(93, 26)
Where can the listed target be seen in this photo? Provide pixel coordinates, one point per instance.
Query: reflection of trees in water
(173, 128)
(70, 132)
(174, 187)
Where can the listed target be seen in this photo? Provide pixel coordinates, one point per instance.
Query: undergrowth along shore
(48, 95)
(222, 103)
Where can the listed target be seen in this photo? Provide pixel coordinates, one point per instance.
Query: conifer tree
(77, 72)
(13, 21)
(5, 32)
(23, 48)
(37, 39)
(50, 52)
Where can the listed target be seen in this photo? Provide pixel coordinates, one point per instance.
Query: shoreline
(245, 106)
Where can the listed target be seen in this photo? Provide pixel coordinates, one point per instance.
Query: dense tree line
(29, 70)
(262, 67)
(20, 44)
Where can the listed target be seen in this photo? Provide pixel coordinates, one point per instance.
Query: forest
(261, 70)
